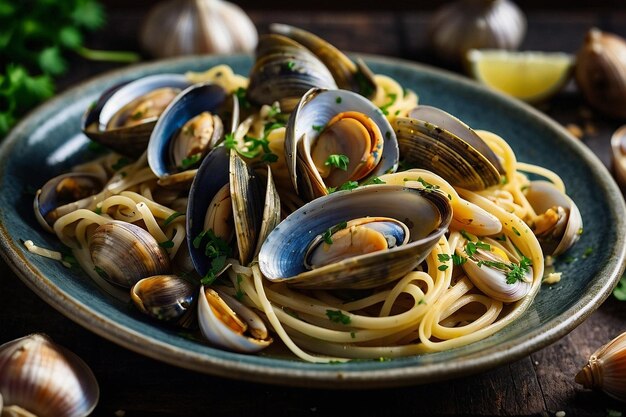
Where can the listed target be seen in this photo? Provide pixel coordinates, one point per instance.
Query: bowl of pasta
(483, 215)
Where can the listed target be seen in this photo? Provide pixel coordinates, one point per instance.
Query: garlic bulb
(600, 72)
(184, 27)
(40, 377)
(606, 369)
(475, 24)
(618, 156)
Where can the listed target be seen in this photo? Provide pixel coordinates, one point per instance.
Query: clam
(186, 131)
(283, 71)
(168, 298)
(558, 224)
(439, 142)
(45, 379)
(64, 194)
(498, 275)
(348, 75)
(330, 124)
(125, 115)
(300, 250)
(229, 324)
(227, 211)
(124, 253)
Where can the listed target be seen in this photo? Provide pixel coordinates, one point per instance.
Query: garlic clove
(186, 27)
(606, 369)
(46, 379)
(462, 25)
(600, 72)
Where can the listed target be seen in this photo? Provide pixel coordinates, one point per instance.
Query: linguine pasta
(433, 308)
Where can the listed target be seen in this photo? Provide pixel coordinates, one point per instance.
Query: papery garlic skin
(606, 369)
(189, 27)
(476, 24)
(600, 72)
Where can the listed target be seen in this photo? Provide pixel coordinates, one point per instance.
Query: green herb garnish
(241, 94)
(327, 235)
(171, 218)
(336, 316)
(385, 107)
(338, 161)
(167, 244)
(190, 161)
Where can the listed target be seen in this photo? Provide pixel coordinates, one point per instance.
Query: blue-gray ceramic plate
(49, 141)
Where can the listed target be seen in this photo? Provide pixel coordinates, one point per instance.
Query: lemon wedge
(531, 76)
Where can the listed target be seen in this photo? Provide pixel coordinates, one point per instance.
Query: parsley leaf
(336, 316)
(338, 161)
(327, 235)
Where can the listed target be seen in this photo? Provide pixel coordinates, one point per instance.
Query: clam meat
(381, 232)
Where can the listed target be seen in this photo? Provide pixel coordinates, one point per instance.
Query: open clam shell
(227, 323)
(283, 71)
(171, 146)
(252, 213)
(348, 75)
(309, 120)
(434, 140)
(568, 225)
(63, 194)
(427, 215)
(43, 378)
(100, 122)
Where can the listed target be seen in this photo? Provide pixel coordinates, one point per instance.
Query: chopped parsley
(216, 249)
(98, 210)
(587, 252)
(516, 231)
(442, 267)
(350, 185)
(373, 180)
(290, 65)
(514, 272)
(190, 161)
(172, 217)
(338, 161)
(427, 186)
(443, 257)
(327, 235)
(241, 94)
(458, 259)
(336, 316)
(318, 128)
(385, 107)
(167, 244)
(338, 100)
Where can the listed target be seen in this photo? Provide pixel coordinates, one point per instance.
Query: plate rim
(118, 333)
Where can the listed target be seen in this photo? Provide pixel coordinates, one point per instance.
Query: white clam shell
(493, 283)
(218, 333)
(46, 379)
(543, 195)
(605, 369)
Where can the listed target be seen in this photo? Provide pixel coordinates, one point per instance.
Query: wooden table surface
(539, 384)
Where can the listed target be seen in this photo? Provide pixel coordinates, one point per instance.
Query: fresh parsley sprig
(36, 37)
